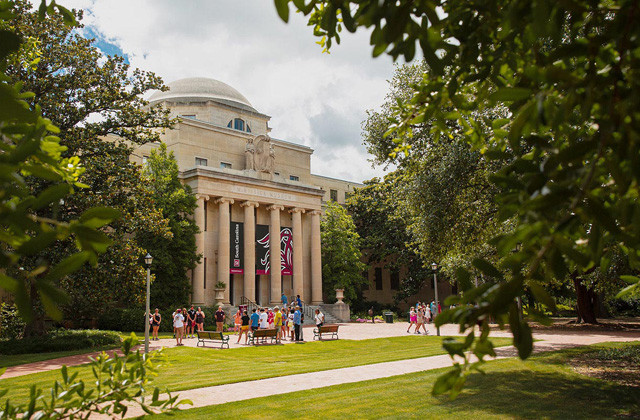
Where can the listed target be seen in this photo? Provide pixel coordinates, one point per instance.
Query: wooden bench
(326, 329)
(214, 337)
(264, 334)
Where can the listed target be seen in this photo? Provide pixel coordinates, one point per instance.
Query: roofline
(338, 179)
(245, 108)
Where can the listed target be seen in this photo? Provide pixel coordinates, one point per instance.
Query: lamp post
(434, 266)
(148, 259)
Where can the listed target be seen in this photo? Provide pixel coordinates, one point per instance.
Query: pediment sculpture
(259, 154)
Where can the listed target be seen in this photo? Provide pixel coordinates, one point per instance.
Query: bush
(61, 340)
(11, 325)
(132, 320)
(624, 307)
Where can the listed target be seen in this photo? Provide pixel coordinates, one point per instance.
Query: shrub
(11, 325)
(624, 307)
(61, 340)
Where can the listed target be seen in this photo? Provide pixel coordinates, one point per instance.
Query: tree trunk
(587, 300)
(36, 326)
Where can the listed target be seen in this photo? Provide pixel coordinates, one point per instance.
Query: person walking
(220, 316)
(284, 299)
(413, 318)
(244, 327)
(319, 319)
(419, 320)
(178, 325)
(297, 322)
(200, 319)
(155, 324)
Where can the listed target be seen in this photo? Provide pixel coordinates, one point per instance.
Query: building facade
(250, 188)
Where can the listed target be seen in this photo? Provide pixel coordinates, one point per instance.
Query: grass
(194, 368)
(542, 387)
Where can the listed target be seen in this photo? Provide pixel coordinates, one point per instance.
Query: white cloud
(315, 99)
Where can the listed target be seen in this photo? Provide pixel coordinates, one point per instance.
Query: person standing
(290, 321)
(237, 321)
(277, 322)
(220, 316)
(184, 323)
(200, 320)
(255, 320)
(297, 322)
(155, 323)
(285, 301)
(264, 319)
(371, 314)
(432, 306)
(299, 301)
(178, 325)
(191, 322)
(244, 327)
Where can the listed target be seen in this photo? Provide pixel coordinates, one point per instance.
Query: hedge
(128, 320)
(61, 340)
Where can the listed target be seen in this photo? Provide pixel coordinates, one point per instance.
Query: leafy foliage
(97, 104)
(31, 151)
(118, 383)
(61, 340)
(175, 255)
(342, 264)
(566, 71)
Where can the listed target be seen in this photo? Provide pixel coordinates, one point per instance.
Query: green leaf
(487, 268)
(542, 295)
(446, 381)
(99, 216)
(68, 265)
(510, 94)
(282, 6)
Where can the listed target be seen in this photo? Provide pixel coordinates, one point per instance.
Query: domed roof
(199, 89)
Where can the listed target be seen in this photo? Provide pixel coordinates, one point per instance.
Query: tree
(566, 72)
(96, 102)
(342, 264)
(385, 238)
(177, 254)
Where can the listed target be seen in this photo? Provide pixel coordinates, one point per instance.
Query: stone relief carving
(249, 155)
(260, 155)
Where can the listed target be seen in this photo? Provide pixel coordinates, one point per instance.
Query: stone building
(248, 186)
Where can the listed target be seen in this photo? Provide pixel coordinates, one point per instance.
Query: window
(239, 124)
(144, 160)
(378, 278)
(333, 195)
(201, 161)
(205, 215)
(205, 273)
(395, 279)
(225, 165)
(294, 177)
(276, 173)
(365, 276)
(192, 116)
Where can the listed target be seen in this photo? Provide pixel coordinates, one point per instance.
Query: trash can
(388, 317)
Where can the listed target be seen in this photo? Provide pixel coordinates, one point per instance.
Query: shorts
(254, 328)
(290, 324)
(278, 328)
(319, 325)
(245, 328)
(155, 324)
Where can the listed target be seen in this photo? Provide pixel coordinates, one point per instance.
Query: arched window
(239, 124)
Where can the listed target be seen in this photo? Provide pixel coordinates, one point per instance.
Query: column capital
(249, 204)
(275, 207)
(202, 196)
(221, 200)
(296, 210)
(315, 212)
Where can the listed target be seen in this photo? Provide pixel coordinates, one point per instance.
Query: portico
(293, 265)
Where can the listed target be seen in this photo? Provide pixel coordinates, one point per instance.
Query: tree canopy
(341, 256)
(566, 71)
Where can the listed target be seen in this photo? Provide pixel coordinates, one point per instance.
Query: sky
(315, 99)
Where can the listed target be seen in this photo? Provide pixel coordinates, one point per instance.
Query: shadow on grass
(534, 394)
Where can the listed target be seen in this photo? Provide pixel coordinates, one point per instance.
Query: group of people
(422, 314)
(286, 321)
(185, 323)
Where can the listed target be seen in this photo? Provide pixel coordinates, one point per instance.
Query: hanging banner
(286, 251)
(262, 249)
(236, 240)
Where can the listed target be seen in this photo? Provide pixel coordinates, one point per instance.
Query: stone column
(274, 253)
(298, 280)
(316, 258)
(197, 297)
(249, 250)
(223, 244)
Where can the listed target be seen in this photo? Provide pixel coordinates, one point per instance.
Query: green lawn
(194, 368)
(542, 387)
